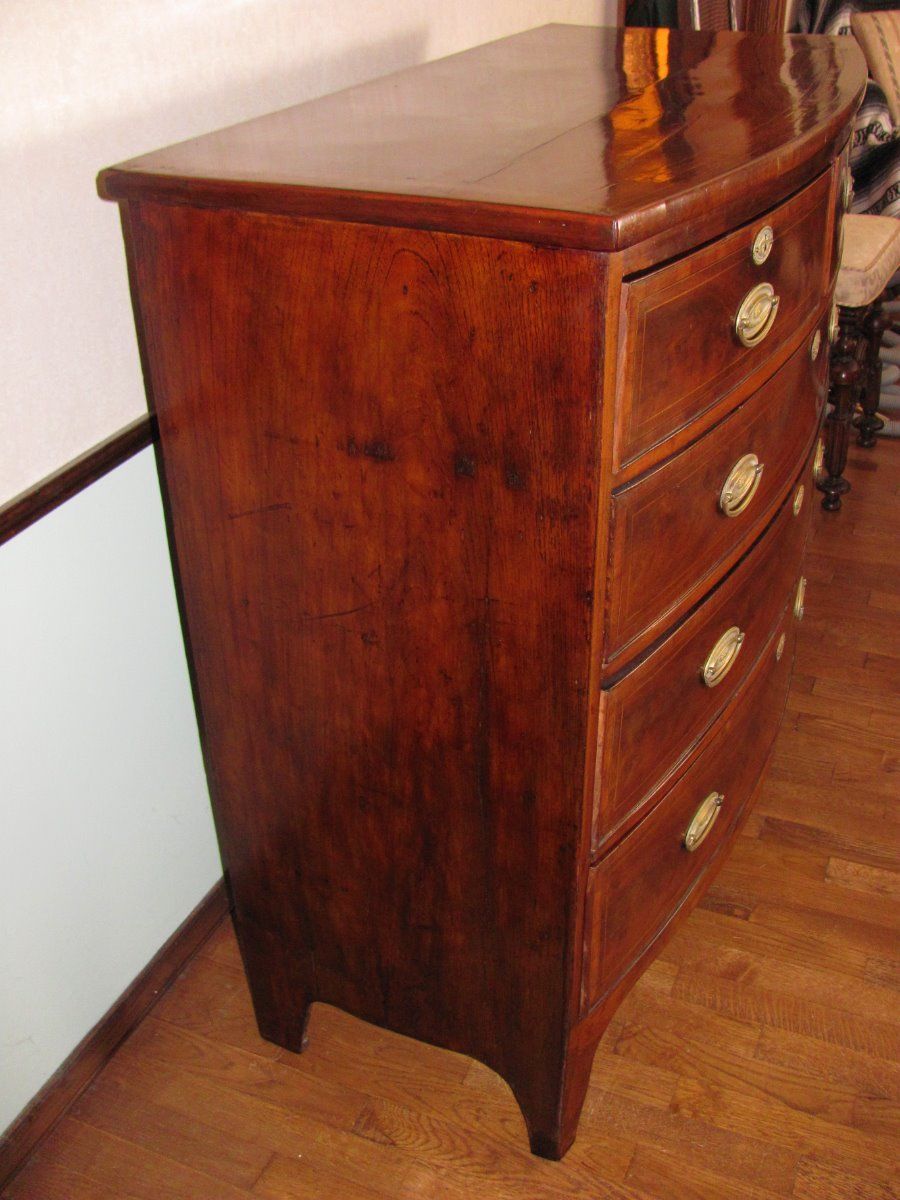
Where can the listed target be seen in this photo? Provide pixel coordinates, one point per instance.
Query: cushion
(870, 257)
(879, 35)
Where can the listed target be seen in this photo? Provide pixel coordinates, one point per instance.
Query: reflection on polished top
(569, 135)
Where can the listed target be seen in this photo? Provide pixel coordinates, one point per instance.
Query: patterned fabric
(875, 144)
(833, 16)
(879, 35)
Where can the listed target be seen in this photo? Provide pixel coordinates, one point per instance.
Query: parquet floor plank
(78, 1152)
(302, 1179)
(695, 1142)
(783, 797)
(663, 1175)
(822, 1181)
(787, 1126)
(859, 877)
(762, 872)
(865, 1075)
(777, 1009)
(122, 1106)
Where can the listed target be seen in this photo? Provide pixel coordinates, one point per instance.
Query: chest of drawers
(488, 398)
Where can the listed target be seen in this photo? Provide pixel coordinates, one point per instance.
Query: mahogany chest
(489, 397)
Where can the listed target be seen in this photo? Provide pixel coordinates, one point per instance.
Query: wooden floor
(757, 1058)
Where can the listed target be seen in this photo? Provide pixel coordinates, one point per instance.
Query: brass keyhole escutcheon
(740, 485)
(702, 821)
(756, 315)
(722, 657)
(762, 245)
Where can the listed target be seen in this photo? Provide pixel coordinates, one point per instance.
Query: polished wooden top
(567, 135)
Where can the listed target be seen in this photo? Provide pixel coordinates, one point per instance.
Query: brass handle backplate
(834, 324)
(740, 485)
(800, 599)
(756, 314)
(702, 821)
(722, 657)
(819, 461)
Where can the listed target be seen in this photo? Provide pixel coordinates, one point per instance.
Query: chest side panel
(380, 450)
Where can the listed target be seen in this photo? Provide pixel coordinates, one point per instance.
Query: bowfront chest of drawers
(489, 396)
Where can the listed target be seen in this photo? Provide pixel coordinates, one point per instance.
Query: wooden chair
(754, 16)
(710, 14)
(870, 257)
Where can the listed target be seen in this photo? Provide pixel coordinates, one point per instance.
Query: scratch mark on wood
(254, 512)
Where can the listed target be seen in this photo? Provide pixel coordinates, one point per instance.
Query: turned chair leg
(869, 423)
(842, 396)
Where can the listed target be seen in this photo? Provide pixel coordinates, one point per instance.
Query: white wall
(88, 83)
(106, 840)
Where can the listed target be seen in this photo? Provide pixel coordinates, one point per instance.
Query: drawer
(634, 892)
(670, 538)
(681, 349)
(653, 717)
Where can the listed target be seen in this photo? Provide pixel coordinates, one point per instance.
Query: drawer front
(638, 887)
(681, 348)
(653, 717)
(670, 537)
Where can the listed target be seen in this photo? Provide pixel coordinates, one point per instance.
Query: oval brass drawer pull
(800, 598)
(756, 315)
(702, 821)
(740, 485)
(722, 657)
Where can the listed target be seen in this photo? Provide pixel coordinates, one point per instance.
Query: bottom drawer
(637, 888)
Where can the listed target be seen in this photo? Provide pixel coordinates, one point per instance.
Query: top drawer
(681, 347)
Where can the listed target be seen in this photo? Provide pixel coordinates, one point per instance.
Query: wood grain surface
(680, 351)
(756, 1059)
(603, 138)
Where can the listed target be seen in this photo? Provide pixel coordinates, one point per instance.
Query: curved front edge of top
(604, 138)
